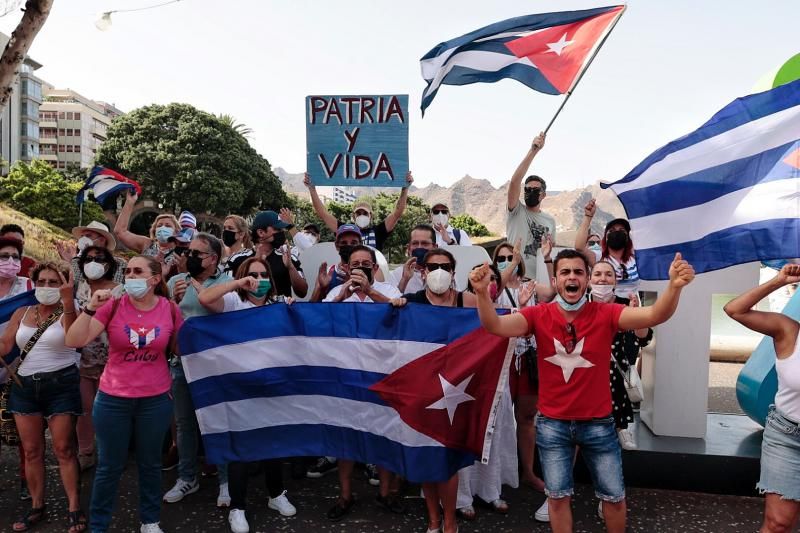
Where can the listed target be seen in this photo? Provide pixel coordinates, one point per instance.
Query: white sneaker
(224, 498)
(238, 521)
(180, 490)
(282, 505)
(600, 509)
(151, 528)
(626, 439)
(542, 514)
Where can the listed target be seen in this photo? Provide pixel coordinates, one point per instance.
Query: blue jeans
(187, 429)
(115, 418)
(556, 441)
(780, 457)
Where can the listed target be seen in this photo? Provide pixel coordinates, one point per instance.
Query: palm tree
(239, 128)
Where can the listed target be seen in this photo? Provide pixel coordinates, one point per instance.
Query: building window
(62, 132)
(77, 133)
(61, 148)
(61, 115)
(69, 115)
(69, 132)
(69, 148)
(77, 116)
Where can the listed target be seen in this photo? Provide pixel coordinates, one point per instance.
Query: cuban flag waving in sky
(547, 52)
(414, 390)
(104, 184)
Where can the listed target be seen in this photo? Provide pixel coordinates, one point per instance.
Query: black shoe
(322, 467)
(372, 475)
(392, 503)
(24, 495)
(340, 509)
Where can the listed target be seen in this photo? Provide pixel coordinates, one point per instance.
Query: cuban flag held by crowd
(414, 390)
(547, 51)
(7, 308)
(725, 194)
(104, 184)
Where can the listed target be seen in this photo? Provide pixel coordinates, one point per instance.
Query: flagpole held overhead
(585, 68)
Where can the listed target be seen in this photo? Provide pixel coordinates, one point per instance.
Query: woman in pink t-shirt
(133, 396)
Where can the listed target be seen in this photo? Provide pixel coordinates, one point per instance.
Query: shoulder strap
(457, 235)
(508, 293)
(39, 332)
(460, 299)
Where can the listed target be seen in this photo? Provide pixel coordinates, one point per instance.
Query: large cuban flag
(725, 194)
(547, 51)
(414, 389)
(104, 184)
(7, 308)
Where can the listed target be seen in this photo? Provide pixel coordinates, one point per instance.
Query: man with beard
(527, 222)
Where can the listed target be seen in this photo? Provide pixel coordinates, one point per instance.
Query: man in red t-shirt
(574, 337)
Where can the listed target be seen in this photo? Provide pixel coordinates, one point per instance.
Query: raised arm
(319, 207)
(9, 335)
(137, 243)
(513, 325)
(86, 327)
(212, 297)
(582, 236)
(681, 274)
(400, 206)
(515, 187)
(780, 327)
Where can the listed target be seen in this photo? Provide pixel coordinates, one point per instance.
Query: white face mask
(439, 281)
(312, 239)
(603, 293)
(47, 295)
(441, 219)
(362, 221)
(83, 242)
(94, 270)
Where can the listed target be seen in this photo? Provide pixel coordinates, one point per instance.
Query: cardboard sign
(357, 140)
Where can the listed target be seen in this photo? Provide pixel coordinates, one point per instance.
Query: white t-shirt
(232, 302)
(530, 228)
(390, 291)
(463, 239)
(415, 284)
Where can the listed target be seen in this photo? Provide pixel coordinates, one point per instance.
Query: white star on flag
(454, 395)
(558, 46)
(569, 361)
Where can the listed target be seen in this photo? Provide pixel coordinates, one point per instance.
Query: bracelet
(89, 312)
(68, 312)
(548, 260)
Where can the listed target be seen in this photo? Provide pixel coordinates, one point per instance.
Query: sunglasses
(178, 250)
(262, 275)
(569, 345)
(501, 258)
(592, 243)
(447, 267)
(440, 211)
(137, 271)
(6, 257)
(96, 259)
(362, 264)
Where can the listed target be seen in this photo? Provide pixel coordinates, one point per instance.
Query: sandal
(76, 521)
(340, 509)
(499, 506)
(31, 518)
(467, 512)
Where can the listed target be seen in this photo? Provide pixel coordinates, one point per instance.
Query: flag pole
(80, 215)
(580, 76)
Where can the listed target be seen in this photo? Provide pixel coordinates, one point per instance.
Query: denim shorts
(780, 457)
(47, 394)
(556, 441)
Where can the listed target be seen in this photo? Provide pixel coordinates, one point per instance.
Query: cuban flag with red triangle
(414, 390)
(547, 51)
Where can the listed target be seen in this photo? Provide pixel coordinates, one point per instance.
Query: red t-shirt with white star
(574, 386)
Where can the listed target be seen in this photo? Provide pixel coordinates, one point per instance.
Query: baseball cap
(268, 219)
(439, 204)
(348, 228)
(362, 205)
(187, 220)
(621, 221)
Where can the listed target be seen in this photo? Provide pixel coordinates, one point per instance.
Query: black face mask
(532, 197)
(279, 239)
(194, 266)
(367, 272)
(229, 237)
(344, 252)
(617, 240)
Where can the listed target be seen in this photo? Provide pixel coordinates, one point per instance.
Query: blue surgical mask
(163, 233)
(136, 287)
(502, 265)
(595, 248)
(568, 306)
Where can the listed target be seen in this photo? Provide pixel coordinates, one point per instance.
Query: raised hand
(408, 268)
(99, 297)
(286, 256)
(590, 208)
(409, 179)
(132, 197)
(790, 273)
(526, 291)
(547, 246)
(359, 280)
(307, 181)
(66, 250)
(538, 142)
(67, 286)
(681, 273)
(179, 290)
(286, 215)
(323, 276)
(517, 253)
(480, 278)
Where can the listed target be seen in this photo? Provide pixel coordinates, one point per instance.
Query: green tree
(185, 158)
(236, 126)
(470, 225)
(38, 190)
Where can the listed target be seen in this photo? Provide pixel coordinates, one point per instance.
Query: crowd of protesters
(116, 313)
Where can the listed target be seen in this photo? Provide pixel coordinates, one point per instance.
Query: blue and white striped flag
(414, 390)
(725, 194)
(7, 308)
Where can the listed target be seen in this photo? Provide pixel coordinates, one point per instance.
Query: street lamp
(103, 21)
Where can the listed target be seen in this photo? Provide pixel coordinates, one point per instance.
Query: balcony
(48, 123)
(48, 156)
(48, 140)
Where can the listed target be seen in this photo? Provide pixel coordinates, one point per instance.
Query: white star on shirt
(454, 395)
(142, 330)
(558, 46)
(569, 361)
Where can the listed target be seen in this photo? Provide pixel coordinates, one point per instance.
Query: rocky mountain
(482, 200)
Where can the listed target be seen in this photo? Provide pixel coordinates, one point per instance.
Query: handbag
(8, 428)
(633, 383)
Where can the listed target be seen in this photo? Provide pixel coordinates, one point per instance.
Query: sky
(668, 66)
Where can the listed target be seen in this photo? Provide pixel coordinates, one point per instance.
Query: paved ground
(650, 510)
